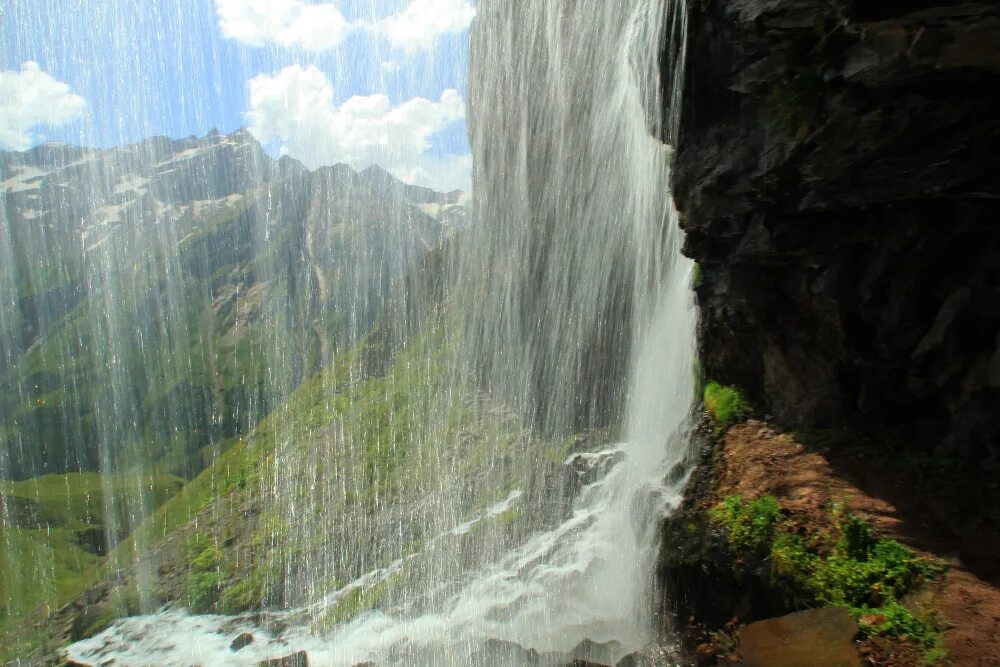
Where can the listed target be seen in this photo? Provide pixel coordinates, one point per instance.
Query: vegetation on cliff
(844, 566)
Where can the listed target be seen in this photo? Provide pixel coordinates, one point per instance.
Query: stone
(597, 652)
(297, 659)
(652, 655)
(243, 640)
(815, 637)
(633, 659)
(704, 655)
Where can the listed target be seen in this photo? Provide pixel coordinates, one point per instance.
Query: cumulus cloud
(423, 22)
(30, 98)
(285, 22)
(321, 27)
(294, 109)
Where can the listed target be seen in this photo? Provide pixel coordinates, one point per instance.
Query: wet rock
(653, 655)
(704, 655)
(816, 637)
(839, 193)
(592, 466)
(598, 652)
(242, 641)
(504, 652)
(298, 659)
(585, 663)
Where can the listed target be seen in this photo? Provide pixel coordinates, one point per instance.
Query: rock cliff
(836, 173)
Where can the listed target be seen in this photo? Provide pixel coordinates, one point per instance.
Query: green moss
(209, 573)
(247, 593)
(725, 405)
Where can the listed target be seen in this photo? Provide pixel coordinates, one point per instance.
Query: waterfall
(485, 438)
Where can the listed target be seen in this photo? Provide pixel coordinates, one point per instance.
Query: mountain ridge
(254, 270)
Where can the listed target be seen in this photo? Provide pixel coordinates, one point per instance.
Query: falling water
(484, 437)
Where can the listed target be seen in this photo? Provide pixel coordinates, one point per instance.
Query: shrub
(749, 526)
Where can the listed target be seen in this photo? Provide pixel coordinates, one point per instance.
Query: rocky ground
(944, 515)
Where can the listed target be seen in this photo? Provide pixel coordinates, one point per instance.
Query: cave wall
(838, 176)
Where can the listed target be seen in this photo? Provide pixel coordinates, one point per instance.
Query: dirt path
(955, 523)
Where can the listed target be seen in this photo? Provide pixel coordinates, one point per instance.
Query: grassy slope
(44, 554)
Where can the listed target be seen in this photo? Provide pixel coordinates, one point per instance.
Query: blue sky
(361, 81)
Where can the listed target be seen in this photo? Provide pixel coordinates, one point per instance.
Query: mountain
(167, 294)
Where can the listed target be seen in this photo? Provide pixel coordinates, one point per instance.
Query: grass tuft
(726, 405)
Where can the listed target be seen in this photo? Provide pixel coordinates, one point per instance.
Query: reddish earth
(952, 519)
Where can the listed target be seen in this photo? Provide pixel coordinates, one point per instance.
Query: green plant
(867, 575)
(749, 526)
(857, 538)
(864, 574)
(896, 620)
(725, 405)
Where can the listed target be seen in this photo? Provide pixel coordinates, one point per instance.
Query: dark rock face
(837, 177)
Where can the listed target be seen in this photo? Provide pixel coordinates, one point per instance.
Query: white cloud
(443, 173)
(29, 98)
(423, 22)
(321, 27)
(289, 23)
(294, 109)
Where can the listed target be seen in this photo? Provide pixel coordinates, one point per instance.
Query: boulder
(243, 640)
(596, 652)
(297, 659)
(815, 637)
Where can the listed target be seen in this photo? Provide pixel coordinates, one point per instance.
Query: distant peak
(375, 171)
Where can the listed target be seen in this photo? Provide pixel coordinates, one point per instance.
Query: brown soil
(756, 460)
